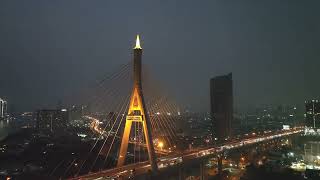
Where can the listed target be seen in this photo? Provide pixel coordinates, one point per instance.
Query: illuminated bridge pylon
(137, 113)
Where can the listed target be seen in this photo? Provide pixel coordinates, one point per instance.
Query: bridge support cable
(166, 133)
(167, 110)
(155, 127)
(56, 167)
(114, 137)
(138, 142)
(108, 135)
(171, 124)
(171, 129)
(114, 77)
(152, 103)
(120, 113)
(65, 172)
(107, 94)
(154, 91)
(91, 98)
(91, 94)
(158, 119)
(139, 135)
(173, 109)
(135, 142)
(115, 93)
(144, 150)
(156, 122)
(176, 112)
(118, 106)
(121, 68)
(164, 120)
(167, 118)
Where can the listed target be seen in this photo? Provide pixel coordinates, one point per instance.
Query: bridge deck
(174, 159)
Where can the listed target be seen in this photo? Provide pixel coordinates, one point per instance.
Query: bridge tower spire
(137, 112)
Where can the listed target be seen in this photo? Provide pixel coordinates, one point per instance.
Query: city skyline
(159, 90)
(56, 48)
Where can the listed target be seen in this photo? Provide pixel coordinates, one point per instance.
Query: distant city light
(285, 127)
(82, 135)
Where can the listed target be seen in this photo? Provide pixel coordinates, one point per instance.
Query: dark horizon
(49, 50)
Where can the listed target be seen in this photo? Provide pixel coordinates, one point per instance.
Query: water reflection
(4, 128)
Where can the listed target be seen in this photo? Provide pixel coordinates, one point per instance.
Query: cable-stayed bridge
(139, 133)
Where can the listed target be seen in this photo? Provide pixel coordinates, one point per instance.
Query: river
(11, 125)
(5, 128)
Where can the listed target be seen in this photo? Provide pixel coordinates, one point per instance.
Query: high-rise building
(221, 95)
(3, 108)
(312, 114)
(52, 120)
(77, 111)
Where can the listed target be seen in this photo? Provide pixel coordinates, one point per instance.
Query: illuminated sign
(134, 118)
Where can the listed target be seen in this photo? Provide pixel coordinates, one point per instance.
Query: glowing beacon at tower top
(137, 43)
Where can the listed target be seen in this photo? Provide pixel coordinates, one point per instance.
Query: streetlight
(160, 145)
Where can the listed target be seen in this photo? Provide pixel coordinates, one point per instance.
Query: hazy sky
(50, 49)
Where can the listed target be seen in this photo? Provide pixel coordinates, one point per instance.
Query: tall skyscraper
(3, 108)
(221, 95)
(313, 113)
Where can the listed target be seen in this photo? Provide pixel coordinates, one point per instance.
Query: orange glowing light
(160, 144)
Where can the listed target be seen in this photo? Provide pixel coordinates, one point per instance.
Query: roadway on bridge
(175, 159)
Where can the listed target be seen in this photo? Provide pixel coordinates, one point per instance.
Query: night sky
(51, 49)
